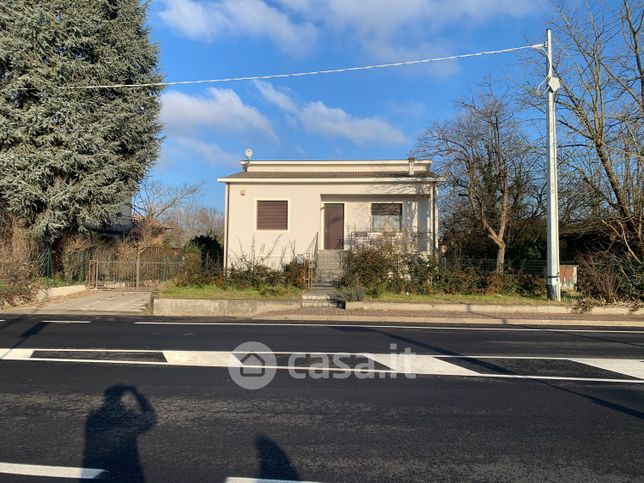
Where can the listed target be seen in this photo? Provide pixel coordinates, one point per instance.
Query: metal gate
(130, 274)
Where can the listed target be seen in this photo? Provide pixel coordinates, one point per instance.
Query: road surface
(154, 399)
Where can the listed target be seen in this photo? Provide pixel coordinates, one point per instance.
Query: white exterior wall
(306, 218)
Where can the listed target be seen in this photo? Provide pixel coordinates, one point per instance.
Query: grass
(475, 299)
(213, 292)
(57, 282)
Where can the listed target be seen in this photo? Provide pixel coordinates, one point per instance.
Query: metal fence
(130, 275)
(488, 265)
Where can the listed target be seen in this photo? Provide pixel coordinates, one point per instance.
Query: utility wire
(311, 73)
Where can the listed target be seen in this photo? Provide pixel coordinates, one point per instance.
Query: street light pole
(552, 271)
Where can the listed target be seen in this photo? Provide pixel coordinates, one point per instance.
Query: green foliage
(294, 273)
(373, 267)
(72, 156)
(278, 291)
(212, 252)
(353, 293)
(384, 267)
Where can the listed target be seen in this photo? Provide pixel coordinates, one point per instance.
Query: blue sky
(359, 115)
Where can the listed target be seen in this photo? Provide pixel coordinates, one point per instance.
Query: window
(272, 215)
(386, 217)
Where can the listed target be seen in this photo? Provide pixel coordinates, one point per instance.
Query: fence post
(138, 268)
(49, 266)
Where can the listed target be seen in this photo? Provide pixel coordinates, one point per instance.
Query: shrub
(611, 277)
(255, 276)
(192, 272)
(295, 273)
(451, 281)
(18, 275)
(500, 283)
(386, 266)
(353, 293)
(375, 268)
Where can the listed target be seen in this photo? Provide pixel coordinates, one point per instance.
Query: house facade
(277, 210)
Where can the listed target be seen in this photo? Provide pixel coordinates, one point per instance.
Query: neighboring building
(119, 224)
(276, 210)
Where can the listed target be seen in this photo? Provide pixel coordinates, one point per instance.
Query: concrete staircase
(327, 274)
(319, 297)
(329, 267)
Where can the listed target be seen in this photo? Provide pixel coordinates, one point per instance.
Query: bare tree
(485, 157)
(154, 205)
(601, 110)
(191, 219)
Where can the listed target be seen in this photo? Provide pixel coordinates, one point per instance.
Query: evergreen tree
(72, 155)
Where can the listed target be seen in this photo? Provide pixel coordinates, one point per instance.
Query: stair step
(321, 304)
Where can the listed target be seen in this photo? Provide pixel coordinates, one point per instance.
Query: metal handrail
(311, 255)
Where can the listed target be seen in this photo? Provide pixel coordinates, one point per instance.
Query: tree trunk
(500, 257)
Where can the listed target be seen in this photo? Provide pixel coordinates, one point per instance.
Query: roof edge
(336, 161)
(410, 180)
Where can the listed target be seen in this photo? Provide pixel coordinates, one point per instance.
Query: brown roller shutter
(272, 215)
(386, 208)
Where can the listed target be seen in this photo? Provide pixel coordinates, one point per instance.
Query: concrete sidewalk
(329, 314)
(90, 301)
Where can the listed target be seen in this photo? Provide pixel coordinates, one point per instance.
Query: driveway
(90, 301)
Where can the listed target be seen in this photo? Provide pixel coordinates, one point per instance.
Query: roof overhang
(410, 180)
(328, 162)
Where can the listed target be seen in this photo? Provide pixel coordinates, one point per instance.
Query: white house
(276, 210)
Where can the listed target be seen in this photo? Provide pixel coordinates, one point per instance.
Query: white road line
(236, 479)
(50, 471)
(415, 327)
(561, 378)
(67, 321)
(544, 358)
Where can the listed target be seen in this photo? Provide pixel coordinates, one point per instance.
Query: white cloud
(387, 16)
(334, 122)
(275, 97)
(316, 117)
(211, 153)
(210, 20)
(388, 29)
(221, 110)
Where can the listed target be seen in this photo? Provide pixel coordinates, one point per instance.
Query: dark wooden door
(334, 226)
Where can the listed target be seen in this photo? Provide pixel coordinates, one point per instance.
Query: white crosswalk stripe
(629, 367)
(381, 363)
(50, 471)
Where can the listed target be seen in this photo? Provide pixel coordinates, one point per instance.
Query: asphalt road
(174, 423)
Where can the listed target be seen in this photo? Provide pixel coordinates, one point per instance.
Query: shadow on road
(274, 464)
(484, 364)
(112, 431)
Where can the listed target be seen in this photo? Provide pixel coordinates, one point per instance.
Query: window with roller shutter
(386, 217)
(272, 215)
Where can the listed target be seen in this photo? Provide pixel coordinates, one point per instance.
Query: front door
(334, 226)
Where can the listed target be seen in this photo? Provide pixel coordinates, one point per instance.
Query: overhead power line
(311, 73)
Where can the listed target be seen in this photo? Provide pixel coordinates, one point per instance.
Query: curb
(491, 308)
(451, 320)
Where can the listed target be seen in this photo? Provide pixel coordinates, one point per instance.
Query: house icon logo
(253, 365)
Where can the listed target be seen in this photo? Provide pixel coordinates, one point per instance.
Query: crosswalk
(615, 370)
